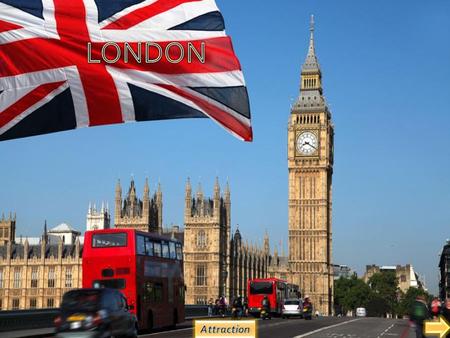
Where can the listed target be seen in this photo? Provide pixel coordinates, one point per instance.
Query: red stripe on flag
(144, 13)
(8, 26)
(99, 88)
(216, 113)
(27, 101)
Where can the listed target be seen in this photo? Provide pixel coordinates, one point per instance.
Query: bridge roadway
(325, 327)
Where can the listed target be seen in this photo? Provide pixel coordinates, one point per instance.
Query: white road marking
(165, 332)
(385, 331)
(326, 328)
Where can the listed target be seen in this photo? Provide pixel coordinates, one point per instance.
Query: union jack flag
(47, 84)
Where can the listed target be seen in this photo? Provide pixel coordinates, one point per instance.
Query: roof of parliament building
(20, 251)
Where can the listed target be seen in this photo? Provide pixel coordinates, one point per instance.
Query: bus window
(179, 252)
(165, 250)
(148, 247)
(261, 288)
(173, 253)
(109, 240)
(157, 249)
(153, 292)
(140, 245)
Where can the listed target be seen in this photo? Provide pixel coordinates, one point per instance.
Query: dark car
(95, 313)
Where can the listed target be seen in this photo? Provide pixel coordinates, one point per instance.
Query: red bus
(147, 268)
(275, 289)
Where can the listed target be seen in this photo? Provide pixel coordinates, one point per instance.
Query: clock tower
(310, 163)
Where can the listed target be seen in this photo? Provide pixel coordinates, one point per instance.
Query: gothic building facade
(7, 229)
(98, 219)
(141, 214)
(310, 164)
(216, 264)
(36, 276)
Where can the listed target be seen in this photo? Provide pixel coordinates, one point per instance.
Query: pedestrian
(210, 307)
(222, 306)
(418, 314)
(216, 307)
(245, 306)
(436, 306)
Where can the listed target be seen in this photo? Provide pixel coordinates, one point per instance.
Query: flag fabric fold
(83, 63)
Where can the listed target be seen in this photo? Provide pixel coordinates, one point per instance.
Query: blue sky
(386, 69)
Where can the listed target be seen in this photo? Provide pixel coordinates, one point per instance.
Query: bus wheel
(134, 333)
(175, 319)
(150, 321)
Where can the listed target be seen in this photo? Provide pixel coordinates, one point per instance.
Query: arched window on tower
(201, 275)
(201, 239)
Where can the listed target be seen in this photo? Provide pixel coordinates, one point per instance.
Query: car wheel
(134, 332)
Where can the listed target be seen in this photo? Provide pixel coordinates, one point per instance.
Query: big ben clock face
(307, 143)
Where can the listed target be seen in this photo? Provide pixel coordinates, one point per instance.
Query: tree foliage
(384, 294)
(380, 296)
(350, 293)
(407, 300)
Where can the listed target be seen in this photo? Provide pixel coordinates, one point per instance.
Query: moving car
(292, 308)
(95, 313)
(361, 312)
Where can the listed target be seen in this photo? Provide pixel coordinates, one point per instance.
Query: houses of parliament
(218, 260)
(36, 272)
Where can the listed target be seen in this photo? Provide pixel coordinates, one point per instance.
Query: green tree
(350, 293)
(384, 294)
(407, 300)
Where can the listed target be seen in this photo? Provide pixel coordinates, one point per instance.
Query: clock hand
(307, 143)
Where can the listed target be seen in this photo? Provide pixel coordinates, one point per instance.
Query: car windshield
(291, 302)
(81, 300)
(261, 288)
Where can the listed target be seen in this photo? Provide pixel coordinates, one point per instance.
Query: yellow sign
(75, 318)
(436, 328)
(225, 328)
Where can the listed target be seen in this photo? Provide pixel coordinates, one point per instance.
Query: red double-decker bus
(147, 268)
(275, 289)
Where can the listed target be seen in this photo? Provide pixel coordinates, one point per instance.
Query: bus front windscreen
(261, 288)
(109, 240)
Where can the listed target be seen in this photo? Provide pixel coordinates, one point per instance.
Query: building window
(403, 278)
(201, 239)
(33, 303)
(68, 277)
(50, 303)
(34, 276)
(1, 278)
(51, 277)
(15, 303)
(201, 275)
(201, 301)
(17, 280)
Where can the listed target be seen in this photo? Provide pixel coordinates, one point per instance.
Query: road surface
(325, 327)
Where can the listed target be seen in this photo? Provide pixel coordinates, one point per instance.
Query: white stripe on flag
(35, 106)
(78, 96)
(137, 35)
(125, 12)
(126, 100)
(223, 79)
(178, 15)
(14, 15)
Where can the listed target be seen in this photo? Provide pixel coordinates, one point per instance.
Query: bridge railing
(43, 318)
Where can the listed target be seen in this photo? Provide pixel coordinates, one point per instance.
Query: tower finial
(311, 27)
